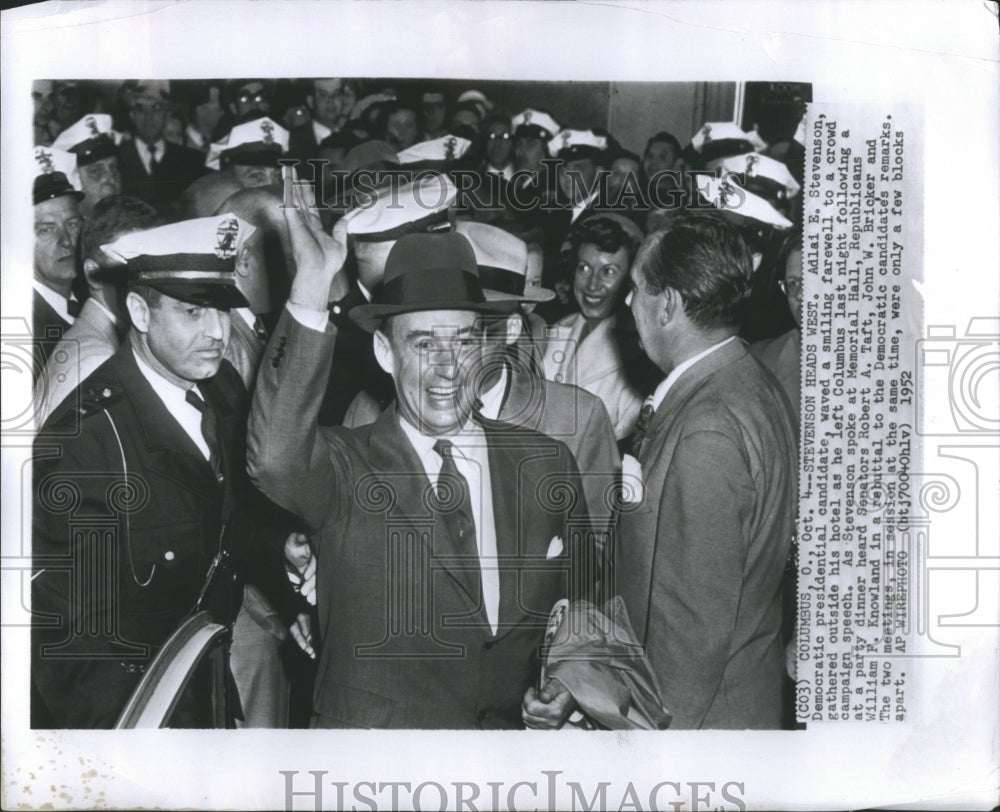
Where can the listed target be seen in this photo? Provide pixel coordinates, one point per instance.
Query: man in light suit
(700, 557)
(438, 561)
(95, 335)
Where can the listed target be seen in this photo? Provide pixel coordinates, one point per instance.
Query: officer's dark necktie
(73, 307)
(259, 330)
(455, 506)
(645, 416)
(209, 429)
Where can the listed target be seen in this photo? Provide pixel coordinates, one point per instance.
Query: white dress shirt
(173, 398)
(472, 461)
(320, 131)
(57, 301)
(661, 391)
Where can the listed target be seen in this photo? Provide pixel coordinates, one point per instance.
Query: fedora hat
(428, 272)
(503, 263)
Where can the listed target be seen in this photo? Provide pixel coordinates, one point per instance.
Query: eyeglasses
(791, 287)
(148, 109)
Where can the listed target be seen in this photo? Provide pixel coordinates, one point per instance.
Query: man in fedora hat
(441, 544)
(150, 447)
(511, 390)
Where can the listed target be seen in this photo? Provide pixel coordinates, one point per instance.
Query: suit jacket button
(169, 555)
(489, 644)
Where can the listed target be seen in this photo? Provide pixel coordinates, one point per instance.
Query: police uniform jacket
(128, 517)
(405, 640)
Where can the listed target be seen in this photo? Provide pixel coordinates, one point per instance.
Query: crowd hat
(259, 142)
(717, 139)
(502, 260)
(399, 209)
(762, 175)
(576, 145)
(427, 272)
(534, 124)
(91, 139)
(55, 175)
(193, 260)
(742, 205)
(436, 153)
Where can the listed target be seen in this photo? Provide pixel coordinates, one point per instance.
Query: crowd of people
(376, 377)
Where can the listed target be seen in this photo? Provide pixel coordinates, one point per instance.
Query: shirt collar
(677, 371)
(364, 291)
(170, 393)
(321, 131)
(57, 301)
(579, 207)
(471, 436)
(247, 315)
(492, 400)
(111, 316)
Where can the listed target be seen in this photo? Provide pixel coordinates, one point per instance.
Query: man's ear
(89, 267)
(138, 311)
(671, 306)
(309, 102)
(383, 351)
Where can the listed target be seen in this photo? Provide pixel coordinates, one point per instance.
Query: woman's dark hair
(608, 235)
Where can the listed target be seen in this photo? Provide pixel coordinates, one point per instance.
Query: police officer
(139, 482)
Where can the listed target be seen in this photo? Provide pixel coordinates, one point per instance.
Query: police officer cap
(91, 139)
(534, 124)
(421, 205)
(259, 142)
(55, 175)
(193, 260)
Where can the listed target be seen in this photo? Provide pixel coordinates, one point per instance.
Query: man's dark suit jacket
(700, 559)
(47, 326)
(405, 640)
(179, 167)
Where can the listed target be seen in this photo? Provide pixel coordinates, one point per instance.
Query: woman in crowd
(585, 348)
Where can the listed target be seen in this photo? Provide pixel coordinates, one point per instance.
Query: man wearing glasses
(152, 168)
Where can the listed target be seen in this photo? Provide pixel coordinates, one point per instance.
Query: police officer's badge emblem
(267, 128)
(449, 148)
(728, 198)
(225, 238)
(92, 126)
(752, 161)
(565, 139)
(44, 160)
(706, 132)
(527, 116)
